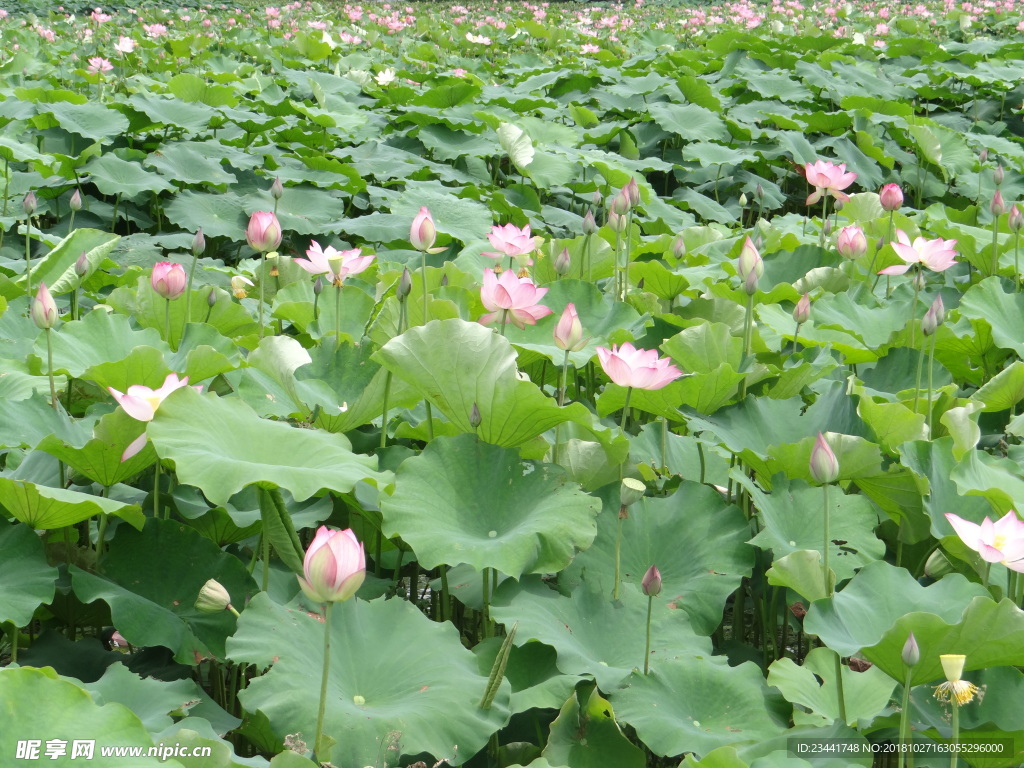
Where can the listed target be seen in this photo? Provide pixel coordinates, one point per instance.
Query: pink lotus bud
(891, 197)
(802, 311)
(1015, 220)
(423, 234)
(749, 260)
(827, 227)
(983, 155)
(596, 199)
(620, 202)
(651, 582)
(569, 330)
(633, 192)
(334, 566)
(211, 298)
(198, 243)
(997, 206)
(318, 285)
(75, 203)
(824, 464)
(277, 189)
(81, 264)
(589, 223)
(679, 247)
(44, 309)
(616, 222)
(29, 203)
(759, 192)
(404, 287)
(168, 280)
(475, 419)
(998, 174)
(563, 263)
(911, 653)
(934, 317)
(264, 232)
(851, 242)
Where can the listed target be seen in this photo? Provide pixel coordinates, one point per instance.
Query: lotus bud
(997, 206)
(934, 317)
(759, 192)
(616, 222)
(211, 298)
(29, 203)
(911, 653)
(568, 332)
(444, 281)
(44, 309)
(679, 247)
(318, 286)
(1015, 220)
(851, 242)
(824, 464)
(983, 155)
(998, 174)
(750, 283)
(475, 419)
(589, 223)
(631, 491)
(651, 582)
(633, 193)
(277, 189)
(827, 227)
(264, 232)
(891, 197)
(198, 243)
(879, 243)
(422, 233)
(749, 260)
(404, 285)
(743, 200)
(620, 202)
(213, 598)
(82, 264)
(75, 203)
(802, 312)
(563, 263)
(937, 565)
(839, 205)
(919, 281)
(334, 567)
(597, 199)
(168, 280)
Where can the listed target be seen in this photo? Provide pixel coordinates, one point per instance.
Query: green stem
(487, 603)
(49, 368)
(156, 489)
(12, 630)
(748, 322)
(265, 547)
(587, 259)
(917, 379)
(840, 694)
(167, 322)
(824, 218)
(74, 302)
(1016, 262)
(101, 534)
(561, 402)
(995, 245)
(618, 553)
(796, 338)
(931, 366)
(423, 269)
(445, 601)
(263, 280)
(504, 321)
(28, 258)
(664, 444)
(317, 747)
(985, 575)
(188, 294)
(826, 572)
(384, 417)
(647, 650)
(626, 254)
(625, 410)
(337, 314)
(905, 718)
(913, 311)
(956, 733)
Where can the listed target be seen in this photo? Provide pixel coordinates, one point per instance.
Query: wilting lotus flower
(337, 265)
(142, 402)
(961, 691)
(511, 241)
(512, 299)
(168, 280)
(828, 179)
(937, 255)
(997, 542)
(239, 286)
(44, 309)
(263, 232)
(628, 366)
(334, 566)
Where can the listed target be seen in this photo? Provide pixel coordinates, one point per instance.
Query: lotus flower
(828, 179)
(997, 542)
(891, 197)
(337, 265)
(512, 299)
(44, 309)
(511, 241)
(263, 232)
(824, 464)
(142, 402)
(334, 566)
(937, 255)
(628, 366)
(569, 331)
(851, 242)
(422, 234)
(168, 280)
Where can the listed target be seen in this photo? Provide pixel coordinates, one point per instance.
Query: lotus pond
(650, 374)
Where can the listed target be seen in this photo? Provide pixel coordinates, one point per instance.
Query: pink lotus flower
(98, 65)
(141, 403)
(511, 241)
(263, 232)
(422, 234)
(937, 255)
(168, 280)
(569, 330)
(124, 45)
(891, 197)
(851, 242)
(337, 265)
(824, 465)
(334, 566)
(44, 309)
(997, 542)
(628, 366)
(512, 299)
(828, 178)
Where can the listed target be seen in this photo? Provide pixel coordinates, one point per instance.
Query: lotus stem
(917, 379)
(167, 322)
(28, 258)
(626, 254)
(647, 650)
(825, 570)
(263, 280)
(995, 245)
(156, 489)
(188, 293)
(561, 402)
(625, 410)
(486, 617)
(586, 264)
(931, 367)
(840, 694)
(618, 270)
(49, 368)
(955, 722)
(824, 219)
(748, 322)
(101, 534)
(12, 631)
(905, 718)
(796, 338)
(1016, 262)
(618, 553)
(664, 443)
(337, 314)
(504, 322)
(317, 746)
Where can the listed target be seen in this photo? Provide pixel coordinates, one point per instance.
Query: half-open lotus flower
(334, 566)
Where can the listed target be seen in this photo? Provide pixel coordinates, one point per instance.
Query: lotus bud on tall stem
(801, 314)
(631, 491)
(263, 235)
(1016, 221)
(933, 318)
(75, 204)
(911, 656)
(198, 248)
(651, 586)
(998, 208)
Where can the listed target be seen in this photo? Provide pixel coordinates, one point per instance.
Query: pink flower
(511, 241)
(937, 255)
(98, 65)
(141, 402)
(422, 234)
(124, 44)
(44, 309)
(628, 366)
(590, 48)
(851, 242)
(891, 197)
(337, 265)
(334, 566)
(569, 330)
(998, 542)
(828, 178)
(512, 299)
(824, 465)
(168, 280)
(263, 232)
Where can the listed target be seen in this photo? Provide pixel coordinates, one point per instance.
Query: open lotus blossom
(337, 265)
(628, 366)
(1001, 541)
(334, 566)
(98, 65)
(141, 403)
(828, 179)
(937, 255)
(512, 299)
(511, 241)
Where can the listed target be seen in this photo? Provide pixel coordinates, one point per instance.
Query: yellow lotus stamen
(961, 691)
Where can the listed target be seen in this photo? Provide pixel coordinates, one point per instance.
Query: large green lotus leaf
(43, 507)
(456, 364)
(995, 478)
(696, 539)
(26, 580)
(857, 457)
(933, 464)
(294, 303)
(26, 422)
(685, 456)
(466, 501)
(689, 705)
(704, 347)
(775, 318)
(91, 120)
(62, 710)
(464, 219)
(1003, 311)
(99, 458)
(532, 672)
(585, 735)
(801, 572)
(690, 121)
(220, 445)
(57, 269)
(1004, 390)
(183, 162)
(892, 424)
(662, 402)
(143, 365)
(99, 337)
(151, 579)
(114, 176)
(203, 353)
(382, 688)
(813, 685)
(219, 214)
(595, 635)
(792, 518)
(602, 319)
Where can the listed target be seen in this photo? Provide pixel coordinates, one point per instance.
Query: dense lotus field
(512, 385)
